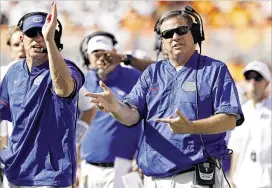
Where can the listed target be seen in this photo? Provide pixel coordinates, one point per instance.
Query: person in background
(106, 138)
(134, 58)
(187, 102)
(251, 164)
(17, 52)
(39, 95)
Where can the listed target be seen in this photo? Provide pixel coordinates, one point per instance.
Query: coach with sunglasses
(39, 95)
(188, 102)
(251, 143)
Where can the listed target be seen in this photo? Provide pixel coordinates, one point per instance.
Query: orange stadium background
(236, 32)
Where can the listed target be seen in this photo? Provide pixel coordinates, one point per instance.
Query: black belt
(187, 170)
(101, 164)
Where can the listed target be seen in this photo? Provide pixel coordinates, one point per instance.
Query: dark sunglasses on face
(256, 77)
(182, 30)
(31, 33)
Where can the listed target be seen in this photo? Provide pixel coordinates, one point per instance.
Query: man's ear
(21, 38)
(267, 83)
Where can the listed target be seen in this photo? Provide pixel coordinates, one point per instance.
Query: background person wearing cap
(39, 95)
(106, 138)
(251, 164)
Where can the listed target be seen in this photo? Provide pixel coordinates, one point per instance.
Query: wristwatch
(127, 59)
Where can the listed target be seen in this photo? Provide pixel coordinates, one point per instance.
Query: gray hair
(171, 14)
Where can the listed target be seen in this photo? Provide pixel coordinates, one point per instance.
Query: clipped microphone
(43, 50)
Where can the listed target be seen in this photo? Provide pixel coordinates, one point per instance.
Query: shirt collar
(36, 68)
(261, 104)
(191, 63)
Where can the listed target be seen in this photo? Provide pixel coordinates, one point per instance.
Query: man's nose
(39, 36)
(175, 35)
(252, 81)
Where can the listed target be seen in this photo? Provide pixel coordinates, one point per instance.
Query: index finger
(164, 120)
(93, 95)
(54, 10)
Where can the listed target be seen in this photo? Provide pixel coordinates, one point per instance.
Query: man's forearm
(62, 80)
(140, 64)
(215, 124)
(126, 115)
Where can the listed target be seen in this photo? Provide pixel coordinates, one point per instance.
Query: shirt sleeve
(3, 129)
(4, 101)
(84, 103)
(137, 96)
(225, 95)
(76, 75)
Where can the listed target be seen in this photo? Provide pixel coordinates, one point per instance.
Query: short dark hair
(12, 29)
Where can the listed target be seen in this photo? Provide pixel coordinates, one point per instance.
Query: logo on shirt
(189, 86)
(15, 81)
(264, 116)
(38, 80)
(154, 89)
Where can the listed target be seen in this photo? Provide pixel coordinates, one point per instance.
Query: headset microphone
(43, 50)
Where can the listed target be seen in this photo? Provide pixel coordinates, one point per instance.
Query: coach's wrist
(117, 108)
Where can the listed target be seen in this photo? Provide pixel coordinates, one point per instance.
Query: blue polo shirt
(41, 149)
(160, 90)
(106, 138)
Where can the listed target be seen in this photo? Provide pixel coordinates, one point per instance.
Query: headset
(196, 28)
(198, 36)
(83, 48)
(58, 33)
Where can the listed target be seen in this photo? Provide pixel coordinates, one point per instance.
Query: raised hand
(104, 101)
(178, 125)
(50, 24)
(109, 57)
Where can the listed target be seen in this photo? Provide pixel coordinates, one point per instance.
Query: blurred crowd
(242, 29)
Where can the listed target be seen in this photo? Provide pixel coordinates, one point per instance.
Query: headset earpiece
(58, 33)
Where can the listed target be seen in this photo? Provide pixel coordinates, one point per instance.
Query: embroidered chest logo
(154, 89)
(15, 81)
(189, 86)
(264, 116)
(38, 80)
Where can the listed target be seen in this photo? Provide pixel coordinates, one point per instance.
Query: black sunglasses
(182, 30)
(31, 33)
(256, 77)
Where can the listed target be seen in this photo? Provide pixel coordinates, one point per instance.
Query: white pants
(186, 180)
(92, 176)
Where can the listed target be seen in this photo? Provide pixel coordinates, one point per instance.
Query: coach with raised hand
(39, 95)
